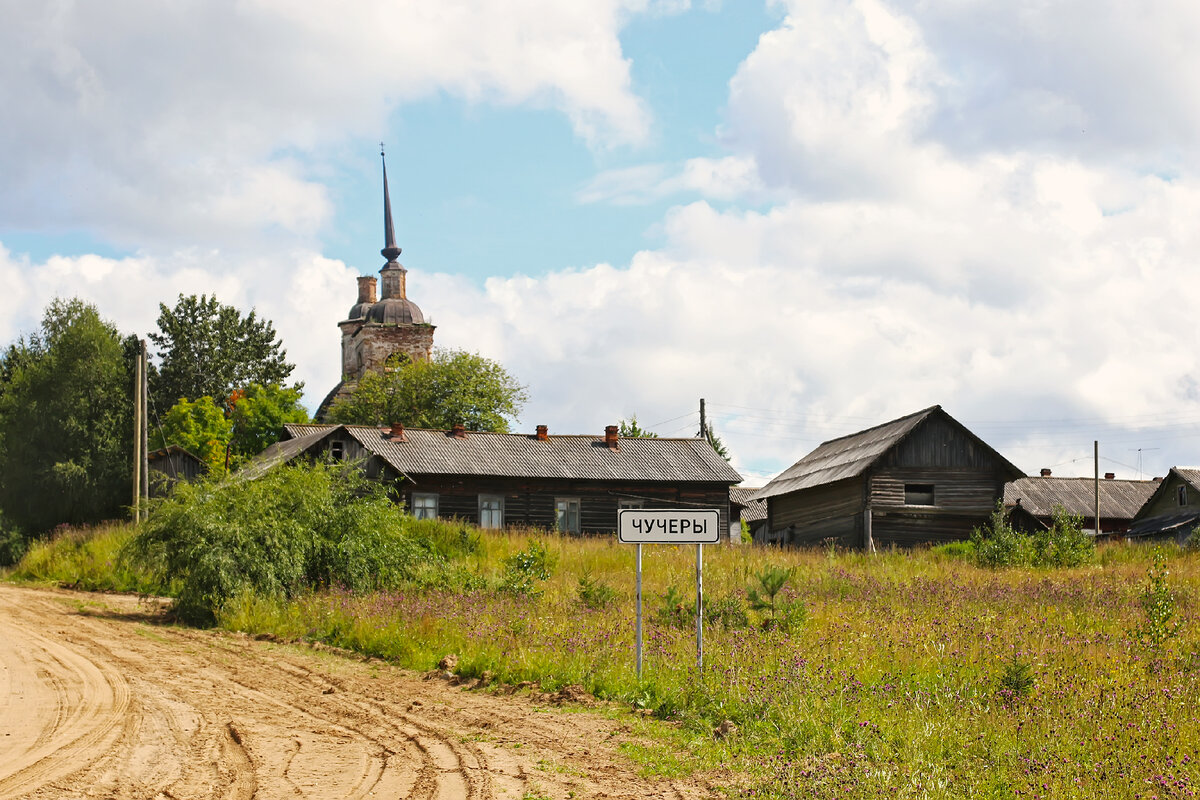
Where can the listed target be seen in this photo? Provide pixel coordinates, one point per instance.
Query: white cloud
(153, 122)
(729, 178)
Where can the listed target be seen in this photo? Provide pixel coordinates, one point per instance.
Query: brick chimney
(396, 433)
(1045, 472)
(366, 289)
(1108, 476)
(611, 438)
(543, 433)
(459, 431)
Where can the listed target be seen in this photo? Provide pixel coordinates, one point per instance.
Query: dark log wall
(530, 502)
(937, 443)
(810, 516)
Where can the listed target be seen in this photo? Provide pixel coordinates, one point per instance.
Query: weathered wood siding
(811, 516)
(1167, 502)
(952, 489)
(529, 502)
(938, 443)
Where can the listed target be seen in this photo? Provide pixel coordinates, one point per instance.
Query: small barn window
(337, 450)
(491, 511)
(566, 514)
(918, 494)
(424, 505)
(1181, 493)
(629, 502)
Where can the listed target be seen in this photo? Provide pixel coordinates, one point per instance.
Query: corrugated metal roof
(845, 457)
(753, 510)
(515, 455)
(1119, 499)
(284, 451)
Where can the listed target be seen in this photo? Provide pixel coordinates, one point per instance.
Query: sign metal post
(670, 526)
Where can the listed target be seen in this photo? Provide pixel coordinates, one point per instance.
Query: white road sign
(668, 526)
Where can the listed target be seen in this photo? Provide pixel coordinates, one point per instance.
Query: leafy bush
(295, 528)
(1158, 607)
(525, 570)
(959, 550)
(1064, 544)
(12, 545)
(595, 594)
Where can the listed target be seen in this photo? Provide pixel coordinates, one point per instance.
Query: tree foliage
(258, 414)
(209, 349)
(66, 435)
(629, 429)
(452, 387)
(198, 426)
(253, 419)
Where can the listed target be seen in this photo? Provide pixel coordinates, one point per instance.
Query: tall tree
(199, 426)
(452, 387)
(258, 415)
(66, 434)
(207, 348)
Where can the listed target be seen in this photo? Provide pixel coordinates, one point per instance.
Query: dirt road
(100, 700)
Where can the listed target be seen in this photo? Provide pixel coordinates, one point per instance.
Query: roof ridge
(913, 415)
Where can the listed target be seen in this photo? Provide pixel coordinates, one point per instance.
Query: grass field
(908, 674)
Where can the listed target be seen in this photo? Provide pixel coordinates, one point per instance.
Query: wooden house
(571, 483)
(1173, 510)
(170, 465)
(920, 478)
(1030, 502)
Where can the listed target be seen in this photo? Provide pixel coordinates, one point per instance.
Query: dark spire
(389, 251)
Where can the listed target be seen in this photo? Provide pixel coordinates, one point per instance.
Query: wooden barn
(1030, 502)
(573, 483)
(1173, 511)
(920, 478)
(169, 466)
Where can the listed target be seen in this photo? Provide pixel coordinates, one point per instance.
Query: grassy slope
(892, 686)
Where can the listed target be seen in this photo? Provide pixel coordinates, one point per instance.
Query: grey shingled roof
(284, 451)
(1119, 499)
(849, 456)
(518, 455)
(754, 510)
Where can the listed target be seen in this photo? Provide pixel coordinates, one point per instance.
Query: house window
(424, 505)
(491, 511)
(918, 494)
(337, 450)
(566, 514)
(1181, 493)
(628, 502)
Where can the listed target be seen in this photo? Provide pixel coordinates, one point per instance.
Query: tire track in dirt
(100, 700)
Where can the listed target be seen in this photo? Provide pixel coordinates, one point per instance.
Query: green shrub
(1159, 624)
(964, 550)
(729, 612)
(675, 610)
(1017, 679)
(13, 545)
(294, 528)
(525, 570)
(1063, 544)
(595, 594)
(779, 613)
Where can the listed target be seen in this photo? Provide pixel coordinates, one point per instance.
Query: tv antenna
(1139, 460)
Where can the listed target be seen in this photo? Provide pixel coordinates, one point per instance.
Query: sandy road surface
(97, 700)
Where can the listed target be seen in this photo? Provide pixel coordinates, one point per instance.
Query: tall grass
(911, 675)
(87, 558)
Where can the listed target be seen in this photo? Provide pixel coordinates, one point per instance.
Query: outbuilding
(920, 478)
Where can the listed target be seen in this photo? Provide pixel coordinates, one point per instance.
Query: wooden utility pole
(1096, 459)
(703, 421)
(145, 443)
(137, 436)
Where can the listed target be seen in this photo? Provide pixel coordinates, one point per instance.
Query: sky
(817, 215)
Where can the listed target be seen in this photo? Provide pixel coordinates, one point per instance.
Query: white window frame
(421, 502)
(562, 511)
(630, 502)
(494, 516)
